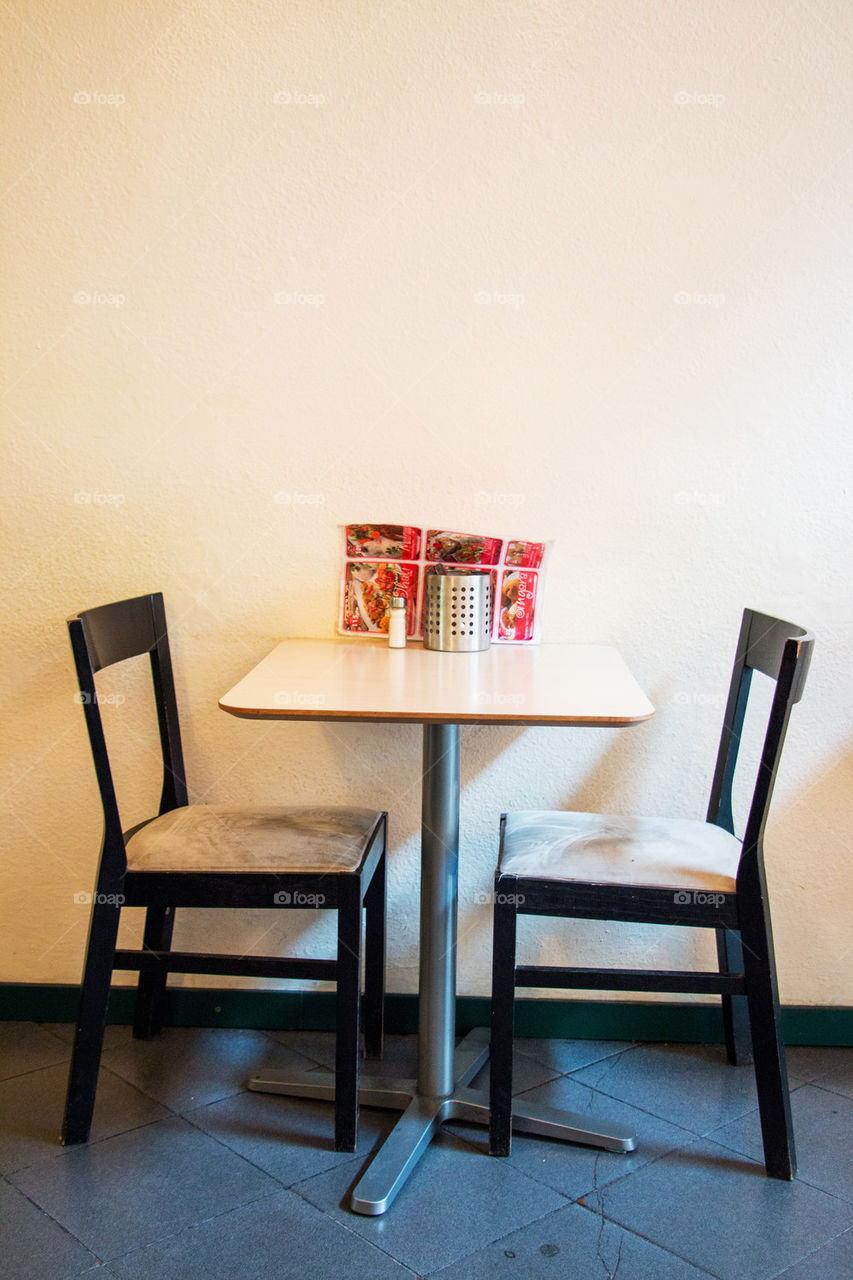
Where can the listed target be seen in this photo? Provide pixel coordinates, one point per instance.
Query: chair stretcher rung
(696, 983)
(241, 966)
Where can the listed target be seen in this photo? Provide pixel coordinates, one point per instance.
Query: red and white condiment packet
(381, 560)
(461, 548)
(515, 607)
(368, 588)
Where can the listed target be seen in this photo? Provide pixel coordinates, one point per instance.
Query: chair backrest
(783, 652)
(110, 634)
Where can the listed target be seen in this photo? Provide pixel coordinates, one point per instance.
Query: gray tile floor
(188, 1176)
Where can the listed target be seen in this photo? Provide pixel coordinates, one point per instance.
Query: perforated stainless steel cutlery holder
(458, 614)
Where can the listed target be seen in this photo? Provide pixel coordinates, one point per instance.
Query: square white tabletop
(560, 684)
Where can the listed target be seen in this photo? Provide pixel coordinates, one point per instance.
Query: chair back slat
(795, 654)
(766, 644)
(118, 631)
(720, 807)
(113, 861)
(782, 652)
(174, 777)
(101, 637)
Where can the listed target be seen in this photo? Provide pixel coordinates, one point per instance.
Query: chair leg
(348, 1015)
(374, 963)
(771, 1075)
(91, 1020)
(735, 1009)
(503, 1008)
(151, 992)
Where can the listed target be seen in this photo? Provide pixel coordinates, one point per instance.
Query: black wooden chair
(665, 871)
(217, 856)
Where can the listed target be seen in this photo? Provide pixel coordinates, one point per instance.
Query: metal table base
(440, 1092)
(423, 1115)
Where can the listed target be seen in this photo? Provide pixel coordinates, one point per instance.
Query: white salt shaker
(397, 623)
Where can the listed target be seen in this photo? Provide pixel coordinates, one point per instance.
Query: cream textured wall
(654, 199)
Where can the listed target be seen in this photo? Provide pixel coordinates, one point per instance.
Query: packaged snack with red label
(369, 586)
(462, 548)
(391, 541)
(524, 555)
(516, 604)
(381, 559)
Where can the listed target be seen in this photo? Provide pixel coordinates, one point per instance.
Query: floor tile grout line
(108, 1066)
(49, 1028)
(113, 1070)
(453, 1262)
(278, 1188)
(606, 1066)
(347, 1156)
(619, 1177)
(626, 1102)
(648, 1240)
(515, 1171)
(616, 1053)
(191, 1226)
(436, 1272)
(31, 1071)
(835, 1195)
(59, 1151)
(345, 1225)
(747, 1160)
(352, 1231)
(779, 1275)
(307, 1056)
(704, 1133)
(599, 1189)
(99, 1261)
(824, 1088)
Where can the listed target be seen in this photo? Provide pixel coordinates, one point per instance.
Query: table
(549, 684)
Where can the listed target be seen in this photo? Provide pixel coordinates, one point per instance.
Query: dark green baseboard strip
(650, 1021)
(315, 1010)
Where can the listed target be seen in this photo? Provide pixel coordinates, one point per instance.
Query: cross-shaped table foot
(422, 1116)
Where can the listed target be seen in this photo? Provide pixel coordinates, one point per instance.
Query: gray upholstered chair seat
(277, 839)
(677, 853)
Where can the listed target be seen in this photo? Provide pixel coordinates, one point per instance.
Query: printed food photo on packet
(369, 588)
